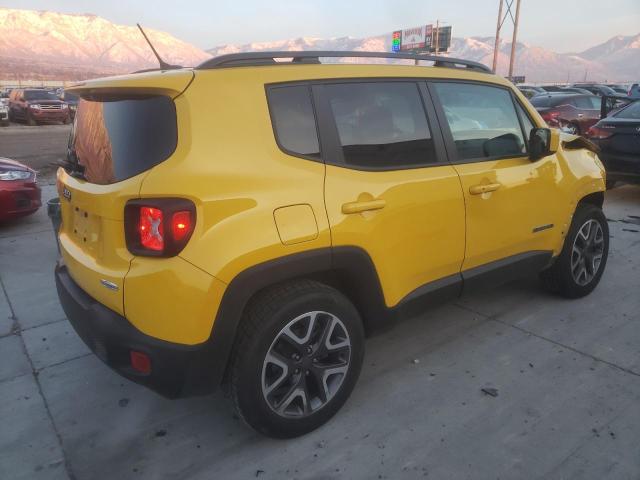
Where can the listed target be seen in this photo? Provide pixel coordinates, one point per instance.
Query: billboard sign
(421, 39)
(396, 40)
(417, 38)
(444, 39)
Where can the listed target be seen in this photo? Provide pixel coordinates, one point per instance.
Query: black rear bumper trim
(176, 370)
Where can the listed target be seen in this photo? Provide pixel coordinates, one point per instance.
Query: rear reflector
(140, 362)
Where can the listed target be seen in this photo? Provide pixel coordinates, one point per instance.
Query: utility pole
(500, 24)
(437, 36)
(496, 47)
(515, 36)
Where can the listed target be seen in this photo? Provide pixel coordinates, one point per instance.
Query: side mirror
(543, 142)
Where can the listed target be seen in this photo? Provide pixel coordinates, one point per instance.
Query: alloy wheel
(587, 252)
(306, 364)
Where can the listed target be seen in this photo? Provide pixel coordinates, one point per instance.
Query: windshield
(39, 95)
(117, 139)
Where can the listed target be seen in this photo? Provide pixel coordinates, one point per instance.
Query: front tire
(579, 267)
(297, 358)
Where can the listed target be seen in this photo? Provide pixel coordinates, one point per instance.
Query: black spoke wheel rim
(587, 252)
(306, 364)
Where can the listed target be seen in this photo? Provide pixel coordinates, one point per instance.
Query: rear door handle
(483, 188)
(358, 207)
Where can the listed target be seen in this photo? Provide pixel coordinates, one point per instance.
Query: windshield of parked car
(70, 97)
(631, 112)
(39, 95)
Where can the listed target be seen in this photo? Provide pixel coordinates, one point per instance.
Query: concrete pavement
(567, 375)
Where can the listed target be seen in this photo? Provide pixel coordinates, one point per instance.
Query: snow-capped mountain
(615, 60)
(41, 44)
(47, 45)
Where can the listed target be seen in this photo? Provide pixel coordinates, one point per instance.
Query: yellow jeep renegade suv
(247, 221)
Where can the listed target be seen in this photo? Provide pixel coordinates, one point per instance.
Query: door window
(586, 103)
(527, 124)
(482, 120)
(381, 125)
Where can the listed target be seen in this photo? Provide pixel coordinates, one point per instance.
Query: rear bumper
(19, 200)
(49, 115)
(176, 370)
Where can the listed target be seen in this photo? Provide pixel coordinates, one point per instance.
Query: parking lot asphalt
(566, 376)
(39, 147)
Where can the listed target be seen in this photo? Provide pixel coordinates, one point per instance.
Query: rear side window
(482, 120)
(118, 139)
(381, 124)
(293, 120)
(540, 101)
(586, 103)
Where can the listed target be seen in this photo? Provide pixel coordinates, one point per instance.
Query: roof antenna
(163, 65)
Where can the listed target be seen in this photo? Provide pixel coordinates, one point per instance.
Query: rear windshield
(117, 139)
(39, 95)
(632, 112)
(540, 101)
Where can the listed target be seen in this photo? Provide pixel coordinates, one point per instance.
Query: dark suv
(34, 106)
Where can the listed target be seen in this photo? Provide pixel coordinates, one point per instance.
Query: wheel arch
(594, 198)
(349, 270)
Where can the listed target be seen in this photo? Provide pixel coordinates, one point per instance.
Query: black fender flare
(349, 269)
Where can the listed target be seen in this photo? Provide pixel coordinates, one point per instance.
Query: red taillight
(598, 133)
(181, 224)
(151, 228)
(550, 115)
(158, 227)
(140, 362)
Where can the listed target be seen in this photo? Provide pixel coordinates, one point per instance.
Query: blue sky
(561, 25)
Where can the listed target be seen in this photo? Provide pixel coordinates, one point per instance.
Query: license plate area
(86, 229)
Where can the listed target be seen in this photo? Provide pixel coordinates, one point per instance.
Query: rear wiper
(72, 165)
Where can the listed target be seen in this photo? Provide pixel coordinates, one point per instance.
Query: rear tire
(579, 267)
(297, 358)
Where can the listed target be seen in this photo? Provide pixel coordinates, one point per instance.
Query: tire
(270, 375)
(30, 121)
(67, 120)
(570, 276)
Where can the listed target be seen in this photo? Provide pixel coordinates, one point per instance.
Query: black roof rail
(269, 58)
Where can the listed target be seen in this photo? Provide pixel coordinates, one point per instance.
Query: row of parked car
(608, 115)
(36, 105)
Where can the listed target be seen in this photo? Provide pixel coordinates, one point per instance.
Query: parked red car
(19, 191)
(574, 113)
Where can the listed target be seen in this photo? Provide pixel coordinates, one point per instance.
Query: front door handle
(358, 207)
(483, 188)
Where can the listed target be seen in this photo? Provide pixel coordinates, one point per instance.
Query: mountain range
(38, 45)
